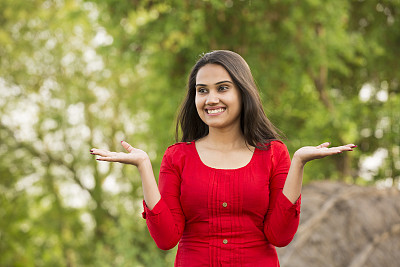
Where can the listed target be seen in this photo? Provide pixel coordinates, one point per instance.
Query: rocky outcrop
(345, 225)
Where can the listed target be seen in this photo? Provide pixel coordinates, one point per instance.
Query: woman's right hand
(135, 156)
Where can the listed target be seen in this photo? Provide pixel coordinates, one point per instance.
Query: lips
(215, 110)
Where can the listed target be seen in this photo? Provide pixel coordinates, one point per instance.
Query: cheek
(199, 106)
(239, 103)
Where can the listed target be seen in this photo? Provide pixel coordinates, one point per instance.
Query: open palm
(134, 156)
(309, 153)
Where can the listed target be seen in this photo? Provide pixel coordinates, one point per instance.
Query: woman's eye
(201, 90)
(223, 88)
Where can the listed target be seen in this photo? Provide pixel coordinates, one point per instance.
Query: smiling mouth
(215, 111)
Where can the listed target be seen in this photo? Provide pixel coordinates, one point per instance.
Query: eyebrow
(201, 84)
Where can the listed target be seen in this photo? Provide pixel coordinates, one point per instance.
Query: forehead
(211, 74)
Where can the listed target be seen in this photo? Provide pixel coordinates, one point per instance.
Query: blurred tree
(59, 99)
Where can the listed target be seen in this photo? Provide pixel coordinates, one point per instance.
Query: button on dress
(223, 217)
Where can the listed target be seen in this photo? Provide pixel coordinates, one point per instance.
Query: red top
(223, 217)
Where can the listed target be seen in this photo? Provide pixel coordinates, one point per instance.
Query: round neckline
(222, 169)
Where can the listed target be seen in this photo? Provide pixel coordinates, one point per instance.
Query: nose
(212, 99)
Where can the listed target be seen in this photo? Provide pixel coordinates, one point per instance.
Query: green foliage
(81, 74)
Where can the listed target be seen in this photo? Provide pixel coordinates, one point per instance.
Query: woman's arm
(162, 210)
(141, 160)
(282, 218)
(294, 180)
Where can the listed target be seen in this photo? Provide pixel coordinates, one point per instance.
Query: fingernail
(97, 159)
(91, 150)
(354, 146)
(122, 141)
(92, 153)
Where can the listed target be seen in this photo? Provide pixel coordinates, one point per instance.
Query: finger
(100, 152)
(108, 159)
(326, 144)
(93, 150)
(127, 146)
(351, 145)
(341, 149)
(347, 147)
(330, 151)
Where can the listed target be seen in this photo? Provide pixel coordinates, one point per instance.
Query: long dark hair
(258, 131)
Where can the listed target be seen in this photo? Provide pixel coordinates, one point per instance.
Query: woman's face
(218, 100)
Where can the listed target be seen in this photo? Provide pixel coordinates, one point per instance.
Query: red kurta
(223, 217)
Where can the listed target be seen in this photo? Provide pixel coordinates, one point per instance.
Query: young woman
(228, 192)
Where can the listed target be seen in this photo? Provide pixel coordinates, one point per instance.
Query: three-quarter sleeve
(166, 220)
(282, 219)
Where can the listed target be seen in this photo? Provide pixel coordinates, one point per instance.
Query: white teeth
(213, 111)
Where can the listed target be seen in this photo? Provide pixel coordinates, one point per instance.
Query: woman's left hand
(309, 153)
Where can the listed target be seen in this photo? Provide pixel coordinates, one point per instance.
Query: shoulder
(274, 146)
(178, 154)
(180, 144)
(275, 150)
(280, 154)
(178, 147)
(178, 151)
(278, 146)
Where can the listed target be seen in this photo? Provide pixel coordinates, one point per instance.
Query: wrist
(144, 164)
(297, 161)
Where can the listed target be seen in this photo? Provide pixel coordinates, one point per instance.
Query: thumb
(127, 146)
(326, 144)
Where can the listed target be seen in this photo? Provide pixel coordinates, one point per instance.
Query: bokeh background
(78, 74)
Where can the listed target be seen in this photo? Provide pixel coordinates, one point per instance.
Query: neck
(226, 138)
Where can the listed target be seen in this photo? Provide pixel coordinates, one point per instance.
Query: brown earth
(345, 225)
